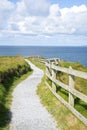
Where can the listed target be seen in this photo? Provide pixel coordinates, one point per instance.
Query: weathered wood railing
(52, 66)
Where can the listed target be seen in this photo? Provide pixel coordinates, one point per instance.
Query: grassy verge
(80, 85)
(8, 82)
(38, 64)
(65, 119)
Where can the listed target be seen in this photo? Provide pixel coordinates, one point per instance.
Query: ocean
(73, 54)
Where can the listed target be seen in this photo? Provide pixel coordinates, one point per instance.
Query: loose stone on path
(27, 111)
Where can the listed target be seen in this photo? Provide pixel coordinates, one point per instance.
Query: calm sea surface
(65, 53)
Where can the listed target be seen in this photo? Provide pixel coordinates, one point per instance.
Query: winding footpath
(27, 111)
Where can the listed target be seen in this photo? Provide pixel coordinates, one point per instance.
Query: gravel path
(27, 111)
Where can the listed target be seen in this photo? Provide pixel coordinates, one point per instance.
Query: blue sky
(47, 22)
(63, 3)
(69, 3)
(14, 1)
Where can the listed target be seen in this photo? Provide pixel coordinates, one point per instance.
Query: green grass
(9, 62)
(74, 65)
(38, 64)
(12, 66)
(7, 100)
(7, 86)
(65, 119)
(80, 85)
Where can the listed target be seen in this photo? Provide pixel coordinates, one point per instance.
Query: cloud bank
(33, 18)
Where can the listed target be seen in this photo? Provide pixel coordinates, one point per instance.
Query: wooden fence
(52, 66)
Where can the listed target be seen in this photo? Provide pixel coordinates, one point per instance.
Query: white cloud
(5, 10)
(79, 9)
(32, 7)
(6, 5)
(42, 18)
(55, 10)
(75, 19)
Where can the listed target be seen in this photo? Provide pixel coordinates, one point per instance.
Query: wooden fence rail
(52, 66)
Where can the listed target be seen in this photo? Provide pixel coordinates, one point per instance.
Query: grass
(12, 66)
(9, 62)
(80, 85)
(65, 119)
(7, 87)
(38, 64)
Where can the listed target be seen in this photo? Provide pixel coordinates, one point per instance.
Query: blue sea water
(74, 54)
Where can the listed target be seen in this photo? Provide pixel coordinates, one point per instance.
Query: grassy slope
(7, 85)
(65, 119)
(80, 85)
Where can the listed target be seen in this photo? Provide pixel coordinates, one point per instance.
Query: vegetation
(74, 65)
(80, 85)
(65, 119)
(34, 60)
(12, 71)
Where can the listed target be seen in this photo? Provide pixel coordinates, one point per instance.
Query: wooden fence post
(54, 77)
(57, 62)
(71, 84)
(48, 69)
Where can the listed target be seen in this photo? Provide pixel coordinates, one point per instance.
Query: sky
(43, 22)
